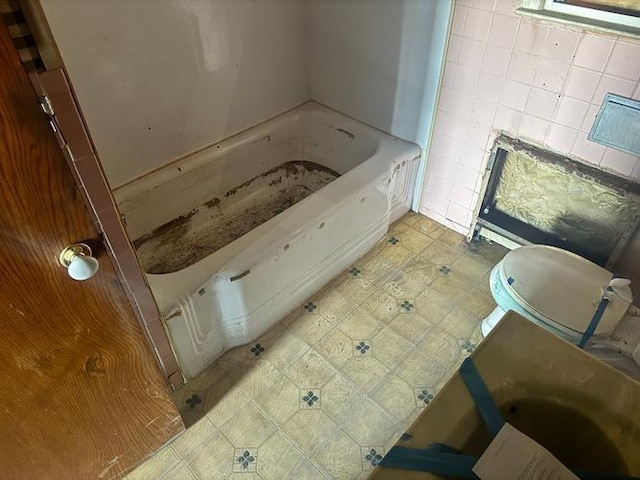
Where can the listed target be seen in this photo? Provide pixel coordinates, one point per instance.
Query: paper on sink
(514, 456)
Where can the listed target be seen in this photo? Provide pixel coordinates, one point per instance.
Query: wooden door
(80, 393)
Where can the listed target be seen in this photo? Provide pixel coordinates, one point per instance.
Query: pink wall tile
(533, 127)
(561, 44)
(531, 37)
(477, 24)
(446, 147)
(514, 95)
(446, 95)
(581, 83)
(477, 135)
(462, 195)
(471, 52)
(466, 79)
(471, 156)
(589, 118)
(447, 169)
(440, 206)
(482, 111)
(537, 80)
(550, 75)
(466, 177)
(442, 187)
(488, 5)
(460, 104)
(449, 74)
(453, 47)
(489, 86)
(587, 150)
(625, 60)
(593, 52)
(503, 30)
(507, 119)
(458, 214)
(508, 6)
(522, 67)
(609, 84)
(457, 23)
(571, 112)
(561, 138)
(619, 162)
(458, 129)
(442, 124)
(496, 60)
(435, 205)
(541, 103)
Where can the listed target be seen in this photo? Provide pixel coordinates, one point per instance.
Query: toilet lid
(559, 285)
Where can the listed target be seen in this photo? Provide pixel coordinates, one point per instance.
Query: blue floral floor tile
(256, 349)
(362, 347)
(407, 306)
(192, 402)
(310, 398)
(424, 396)
(309, 307)
(355, 271)
(444, 270)
(245, 459)
(467, 346)
(371, 457)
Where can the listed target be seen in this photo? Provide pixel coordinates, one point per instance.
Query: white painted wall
(369, 59)
(157, 80)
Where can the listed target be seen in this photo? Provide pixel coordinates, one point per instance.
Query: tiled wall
(535, 79)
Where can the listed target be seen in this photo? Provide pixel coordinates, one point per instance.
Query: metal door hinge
(47, 107)
(45, 103)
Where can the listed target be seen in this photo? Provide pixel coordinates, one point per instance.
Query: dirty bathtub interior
(183, 241)
(235, 236)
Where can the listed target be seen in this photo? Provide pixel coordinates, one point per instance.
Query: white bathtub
(235, 294)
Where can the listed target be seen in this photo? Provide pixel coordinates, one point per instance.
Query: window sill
(596, 25)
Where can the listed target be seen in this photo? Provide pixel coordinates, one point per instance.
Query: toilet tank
(562, 287)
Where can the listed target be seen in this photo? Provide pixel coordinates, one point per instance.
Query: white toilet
(560, 291)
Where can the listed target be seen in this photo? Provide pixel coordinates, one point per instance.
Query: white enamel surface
(215, 304)
(83, 267)
(561, 287)
(158, 79)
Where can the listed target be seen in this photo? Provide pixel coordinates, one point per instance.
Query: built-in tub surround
(242, 289)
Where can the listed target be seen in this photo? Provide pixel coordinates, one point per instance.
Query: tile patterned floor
(329, 390)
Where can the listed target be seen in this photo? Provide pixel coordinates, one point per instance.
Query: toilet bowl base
(491, 321)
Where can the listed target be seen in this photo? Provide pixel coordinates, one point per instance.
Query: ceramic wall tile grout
(545, 67)
(316, 403)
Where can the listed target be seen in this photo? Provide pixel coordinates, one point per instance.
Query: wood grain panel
(80, 394)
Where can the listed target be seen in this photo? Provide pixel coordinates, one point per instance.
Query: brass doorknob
(79, 262)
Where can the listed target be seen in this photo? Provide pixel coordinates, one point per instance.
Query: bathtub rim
(282, 228)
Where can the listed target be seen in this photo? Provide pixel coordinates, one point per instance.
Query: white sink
(585, 412)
